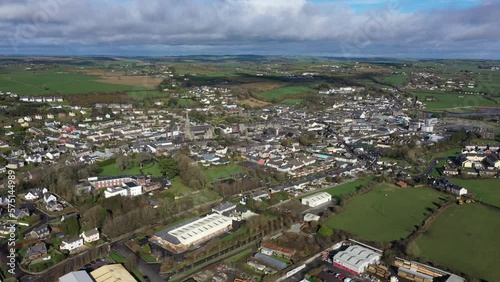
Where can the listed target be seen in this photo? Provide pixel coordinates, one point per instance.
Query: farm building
(181, 237)
(270, 261)
(76, 276)
(356, 259)
(316, 199)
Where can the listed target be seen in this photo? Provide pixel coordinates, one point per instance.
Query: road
(149, 270)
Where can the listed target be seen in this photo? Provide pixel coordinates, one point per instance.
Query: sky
(337, 28)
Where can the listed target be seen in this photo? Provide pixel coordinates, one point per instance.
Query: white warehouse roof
(356, 258)
(200, 228)
(318, 197)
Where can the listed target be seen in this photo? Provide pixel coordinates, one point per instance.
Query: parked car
(341, 277)
(348, 279)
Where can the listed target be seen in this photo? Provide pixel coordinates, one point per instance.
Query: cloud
(231, 23)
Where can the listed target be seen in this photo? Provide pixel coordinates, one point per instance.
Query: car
(341, 277)
(337, 274)
(347, 279)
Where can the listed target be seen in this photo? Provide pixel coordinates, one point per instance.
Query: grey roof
(36, 249)
(76, 276)
(272, 262)
(91, 232)
(224, 206)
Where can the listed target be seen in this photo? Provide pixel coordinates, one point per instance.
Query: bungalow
(90, 236)
(456, 190)
(71, 244)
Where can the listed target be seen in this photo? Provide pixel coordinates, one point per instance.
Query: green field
(447, 154)
(396, 79)
(291, 102)
(57, 81)
(112, 170)
(222, 171)
(485, 190)
(139, 95)
(346, 188)
(464, 238)
(287, 91)
(386, 213)
(451, 101)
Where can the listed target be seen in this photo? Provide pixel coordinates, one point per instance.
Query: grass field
(396, 79)
(346, 188)
(386, 213)
(112, 170)
(484, 142)
(485, 190)
(222, 171)
(287, 91)
(447, 154)
(57, 81)
(451, 101)
(464, 238)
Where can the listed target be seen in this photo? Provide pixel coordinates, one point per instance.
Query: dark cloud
(246, 26)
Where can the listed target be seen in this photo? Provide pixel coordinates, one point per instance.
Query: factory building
(316, 199)
(356, 259)
(181, 237)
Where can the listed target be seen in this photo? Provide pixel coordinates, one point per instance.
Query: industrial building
(316, 199)
(76, 276)
(356, 259)
(181, 237)
(112, 272)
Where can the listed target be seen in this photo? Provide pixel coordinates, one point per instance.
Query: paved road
(149, 270)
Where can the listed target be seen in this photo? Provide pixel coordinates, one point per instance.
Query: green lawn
(139, 95)
(346, 188)
(56, 81)
(222, 171)
(485, 190)
(286, 91)
(464, 238)
(112, 170)
(450, 153)
(386, 213)
(484, 142)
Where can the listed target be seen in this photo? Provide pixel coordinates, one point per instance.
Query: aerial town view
(249, 141)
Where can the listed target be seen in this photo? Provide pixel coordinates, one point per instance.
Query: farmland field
(450, 100)
(463, 238)
(386, 213)
(112, 170)
(287, 91)
(291, 102)
(57, 81)
(396, 79)
(485, 190)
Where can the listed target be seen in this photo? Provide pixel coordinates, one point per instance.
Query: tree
(168, 166)
(142, 158)
(124, 163)
(70, 226)
(325, 231)
(388, 257)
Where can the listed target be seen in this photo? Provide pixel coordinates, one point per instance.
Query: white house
(49, 197)
(71, 244)
(90, 236)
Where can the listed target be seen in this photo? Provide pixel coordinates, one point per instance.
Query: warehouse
(356, 259)
(181, 237)
(316, 199)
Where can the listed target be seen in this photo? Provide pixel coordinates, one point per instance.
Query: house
(90, 236)
(401, 184)
(71, 244)
(35, 194)
(39, 232)
(54, 206)
(49, 197)
(36, 251)
(19, 213)
(456, 190)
